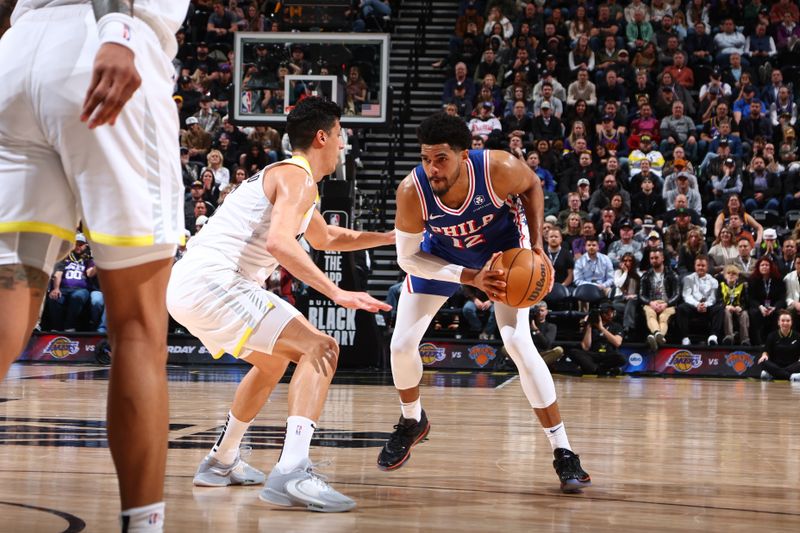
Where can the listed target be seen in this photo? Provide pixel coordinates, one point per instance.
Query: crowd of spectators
(664, 133)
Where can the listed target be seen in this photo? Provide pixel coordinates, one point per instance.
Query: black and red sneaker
(407, 433)
(568, 467)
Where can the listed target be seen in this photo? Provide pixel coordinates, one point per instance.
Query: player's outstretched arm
(293, 196)
(322, 236)
(114, 75)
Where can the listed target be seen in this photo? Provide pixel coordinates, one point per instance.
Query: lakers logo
(739, 361)
(482, 354)
(684, 361)
(61, 347)
(430, 353)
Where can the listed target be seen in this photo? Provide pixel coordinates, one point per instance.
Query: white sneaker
(766, 375)
(304, 487)
(686, 341)
(795, 377)
(213, 473)
(712, 340)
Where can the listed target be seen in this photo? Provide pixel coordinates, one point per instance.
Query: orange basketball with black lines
(529, 276)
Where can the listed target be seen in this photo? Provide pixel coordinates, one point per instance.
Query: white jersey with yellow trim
(163, 17)
(236, 234)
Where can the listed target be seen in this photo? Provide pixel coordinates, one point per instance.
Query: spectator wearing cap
(221, 88)
(573, 204)
(760, 187)
(625, 244)
(677, 233)
(196, 193)
(196, 139)
(724, 146)
(463, 106)
(713, 93)
(741, 107)
(683, 183)
(189, 171)
(190, 96)
(71, 284)
(202, 62)
(582, 89)
(460, 76)
(646, 150)
(646, 201)
(770, 247)
(546, 126)
(199, 223)
(599, 353)
(485, 123)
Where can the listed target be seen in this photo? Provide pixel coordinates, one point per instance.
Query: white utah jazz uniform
(122, 181)
(217, 289)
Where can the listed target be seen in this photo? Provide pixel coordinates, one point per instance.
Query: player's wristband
(116, 28)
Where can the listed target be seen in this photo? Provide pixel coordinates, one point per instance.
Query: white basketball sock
(149, 518)
(412, 410)
(299, 431)
(557, 435)
(227, 447)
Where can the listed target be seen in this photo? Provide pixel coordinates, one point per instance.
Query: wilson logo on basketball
(543, 285)
(739, 361)
(684, 361)
(482, 354)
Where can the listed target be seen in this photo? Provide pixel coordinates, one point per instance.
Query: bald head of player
(444, 142)
(315, 133)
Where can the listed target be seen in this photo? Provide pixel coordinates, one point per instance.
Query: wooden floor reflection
(664, 455)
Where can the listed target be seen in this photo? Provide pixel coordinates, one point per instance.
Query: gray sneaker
(303, 487)
(212, 473)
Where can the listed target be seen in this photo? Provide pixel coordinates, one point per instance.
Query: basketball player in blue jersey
(455, 212)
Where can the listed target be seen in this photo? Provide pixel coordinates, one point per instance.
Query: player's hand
(360, 300)
(763, 358)
(55, 294)
(538, 250)
(492, 282)
(324, 357)
(114, 80)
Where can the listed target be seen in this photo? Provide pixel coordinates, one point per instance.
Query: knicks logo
(739, 361)
(61, 347)
(684, 361)
(430, 353)
(482, 354)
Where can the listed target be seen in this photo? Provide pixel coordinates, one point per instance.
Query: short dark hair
(441, 128)
(308, 117)
(701, 257)
(590, 238)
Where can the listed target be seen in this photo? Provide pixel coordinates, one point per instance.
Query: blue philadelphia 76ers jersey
(470, 234)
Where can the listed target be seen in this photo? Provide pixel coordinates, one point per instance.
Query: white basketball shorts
(224, 309)
(122, 181)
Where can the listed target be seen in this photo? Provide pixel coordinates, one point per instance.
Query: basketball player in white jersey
(216, 291)
(88, 133)
(455, 212)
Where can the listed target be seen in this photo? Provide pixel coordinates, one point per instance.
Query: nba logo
(335, 220)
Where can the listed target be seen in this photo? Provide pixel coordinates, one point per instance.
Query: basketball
(529, 276)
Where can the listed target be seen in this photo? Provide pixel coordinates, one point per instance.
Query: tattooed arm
(6, 7)
(114, 78)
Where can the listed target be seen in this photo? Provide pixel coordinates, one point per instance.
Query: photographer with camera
(601, 340)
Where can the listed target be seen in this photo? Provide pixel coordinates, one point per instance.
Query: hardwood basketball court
(664, 455)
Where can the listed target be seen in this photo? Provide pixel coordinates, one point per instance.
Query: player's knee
(404, 344)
